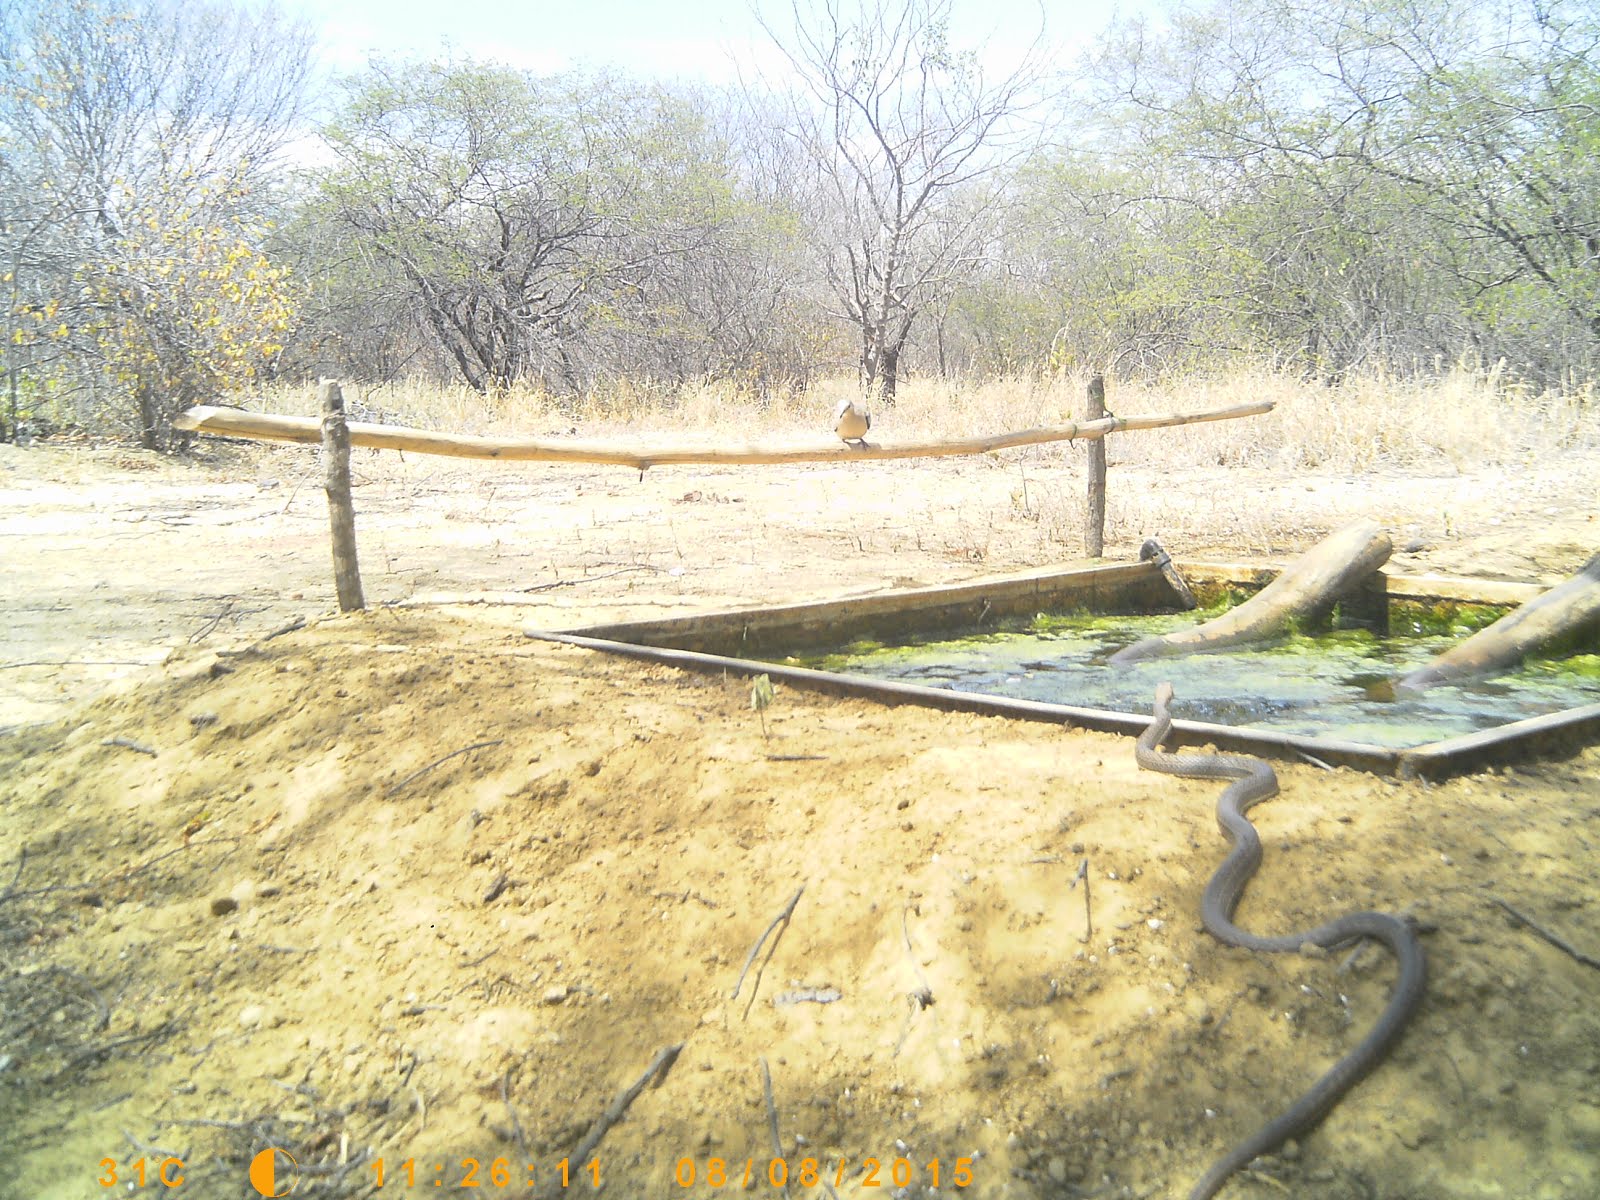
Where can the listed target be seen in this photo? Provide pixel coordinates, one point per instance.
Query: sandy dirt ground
(409, 886)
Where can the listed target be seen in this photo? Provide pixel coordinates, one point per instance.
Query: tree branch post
(341, 509)
(1094, 518)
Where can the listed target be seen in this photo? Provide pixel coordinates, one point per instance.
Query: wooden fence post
(1094, 521)
(341, 510)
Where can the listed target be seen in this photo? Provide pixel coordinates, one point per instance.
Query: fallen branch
(130, 744)
(781, 919)
(655, 1072)
(1088, 913)
(1556, 940)
(264, 427)
(421, 771)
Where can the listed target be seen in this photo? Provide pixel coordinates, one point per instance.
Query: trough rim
(1551, 735)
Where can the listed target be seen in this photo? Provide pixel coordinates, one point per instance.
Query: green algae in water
(1333, 684)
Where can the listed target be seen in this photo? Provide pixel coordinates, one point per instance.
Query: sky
(704, 40)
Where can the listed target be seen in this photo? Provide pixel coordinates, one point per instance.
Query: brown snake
(1254, 781)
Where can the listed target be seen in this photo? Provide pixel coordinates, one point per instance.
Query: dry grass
(1462, 419)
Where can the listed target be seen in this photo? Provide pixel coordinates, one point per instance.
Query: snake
(1252, 781)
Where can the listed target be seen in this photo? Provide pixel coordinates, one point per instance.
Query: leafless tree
(908, 137)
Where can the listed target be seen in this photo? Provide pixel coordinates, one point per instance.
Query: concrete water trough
(756, 641)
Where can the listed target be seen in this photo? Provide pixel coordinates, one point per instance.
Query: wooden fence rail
(337, 436)
(235, 422)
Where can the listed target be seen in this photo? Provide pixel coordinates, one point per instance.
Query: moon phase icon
(264, 1172)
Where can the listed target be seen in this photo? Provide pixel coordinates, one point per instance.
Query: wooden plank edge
(1046, 585)
(1553, 735)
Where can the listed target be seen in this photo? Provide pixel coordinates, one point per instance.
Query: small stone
(252, 1015)
(1058, 1169)
(221, 906)
(555, 995)
(268, 890)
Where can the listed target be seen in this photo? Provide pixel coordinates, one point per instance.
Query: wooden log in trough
(1304, 592)
(1565, 611)
(264, 427)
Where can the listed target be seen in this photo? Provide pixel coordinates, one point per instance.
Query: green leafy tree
(1375, 180)
(532, 220)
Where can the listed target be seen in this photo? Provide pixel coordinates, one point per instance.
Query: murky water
(1328, 685)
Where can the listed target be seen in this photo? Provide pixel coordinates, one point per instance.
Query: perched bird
(851, 423)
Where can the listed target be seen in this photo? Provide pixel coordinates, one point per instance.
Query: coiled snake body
(1254, 781)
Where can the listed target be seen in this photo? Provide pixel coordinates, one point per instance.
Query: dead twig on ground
(1555, 939)
(215, 619)
(297, 623)
(421, 771)
(422, 1109)
(100, 1049)
(772, 1115)
(511, 1111)
(102, 1009)
(922, 997)
(654, 1073)
(1088, 912)
(130, 744)
(122, 878)
(561, 583)
(782, 919)
(11, 888)
(154, 1152)
(77, 662)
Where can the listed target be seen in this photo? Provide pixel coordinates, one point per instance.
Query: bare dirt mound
(299, 923)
